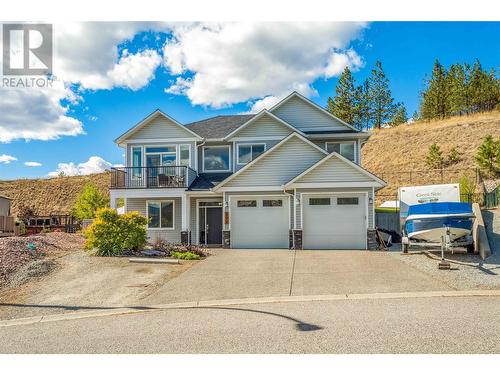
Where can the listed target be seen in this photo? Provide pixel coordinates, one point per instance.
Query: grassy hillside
(390, 153)
(50, 195)
(393, 153)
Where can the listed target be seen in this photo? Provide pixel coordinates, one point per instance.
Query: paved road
(420, 325)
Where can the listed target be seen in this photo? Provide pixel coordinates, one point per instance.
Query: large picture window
(161, 156)
(160, 214)
(346, 149)
(216, 159)
(247, 152)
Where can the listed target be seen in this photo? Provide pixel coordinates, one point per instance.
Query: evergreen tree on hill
(380, 98)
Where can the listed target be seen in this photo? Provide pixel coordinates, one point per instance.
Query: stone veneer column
(226, 239)
(297, 239)
(371, 239)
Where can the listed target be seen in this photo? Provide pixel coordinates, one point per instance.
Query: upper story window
(248, 152)
(161, 156)
(137, 161)
(346, 149)
(185, 155)
(216, 158)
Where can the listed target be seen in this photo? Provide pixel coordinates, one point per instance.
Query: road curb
(244, 301)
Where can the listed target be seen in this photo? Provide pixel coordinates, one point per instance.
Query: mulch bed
(16, 252)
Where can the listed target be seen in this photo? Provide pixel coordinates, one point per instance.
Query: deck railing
(171, 176)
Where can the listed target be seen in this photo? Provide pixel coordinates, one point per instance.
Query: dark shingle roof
(219, 126)
(206, 181)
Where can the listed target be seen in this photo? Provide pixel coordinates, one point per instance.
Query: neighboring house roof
(262, 113)
(144, 122)
(206, 181)
(219, 126)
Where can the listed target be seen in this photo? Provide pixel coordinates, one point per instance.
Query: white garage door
(334, 221)
(259, 222)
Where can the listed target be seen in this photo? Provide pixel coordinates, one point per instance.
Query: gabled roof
(343, 159)
(265, 154)
(219, 126)
(262, 113)
(144, 122)
(295, 94)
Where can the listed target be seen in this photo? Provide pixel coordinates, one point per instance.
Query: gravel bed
(17, 252)
(468, 271)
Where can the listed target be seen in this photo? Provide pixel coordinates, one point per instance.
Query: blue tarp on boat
(440, 208)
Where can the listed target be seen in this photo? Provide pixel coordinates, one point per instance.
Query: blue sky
(112, 84)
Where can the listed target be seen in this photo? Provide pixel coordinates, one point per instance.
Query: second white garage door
(259, 222)
(334, 221)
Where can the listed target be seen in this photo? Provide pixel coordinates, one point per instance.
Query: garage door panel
(334, 226)
(259, 227)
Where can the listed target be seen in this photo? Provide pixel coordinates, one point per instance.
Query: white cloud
(7, 159)
(221, 64)
(95, 164)
(29, 113)
(32, 164)
(86, 55)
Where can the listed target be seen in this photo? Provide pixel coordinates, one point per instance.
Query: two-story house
(287, 177)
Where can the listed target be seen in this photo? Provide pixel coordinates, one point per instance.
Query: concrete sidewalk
(271, 273)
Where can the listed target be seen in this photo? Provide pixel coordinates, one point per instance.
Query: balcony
(152, 177)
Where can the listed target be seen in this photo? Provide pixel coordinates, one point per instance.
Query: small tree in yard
(111, 234)
(488, 156)
(435, 157)
(89, 201)
(453, 157)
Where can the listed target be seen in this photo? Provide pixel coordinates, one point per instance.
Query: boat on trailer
(431, 222)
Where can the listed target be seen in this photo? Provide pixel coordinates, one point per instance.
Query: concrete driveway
(265, 273)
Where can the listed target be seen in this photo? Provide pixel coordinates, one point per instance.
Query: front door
(210, 224)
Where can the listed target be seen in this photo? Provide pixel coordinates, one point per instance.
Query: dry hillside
(397, 155)
(50, 195)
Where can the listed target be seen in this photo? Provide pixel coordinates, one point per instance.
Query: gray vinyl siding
(237, 166)
(299, 192)
(334, 170)
(169, 235)
(280, 166)
(321, 143)
(160, 127)
(302, 115)
(200, 155)
(128, 155)
(266, 126)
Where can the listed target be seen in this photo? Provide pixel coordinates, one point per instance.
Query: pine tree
(457, 86)
(381, 101)
(435, 158)
(343, 104)
(435, 102)
(362, 106)
(488, 156)
(415, 116)
(400, 115)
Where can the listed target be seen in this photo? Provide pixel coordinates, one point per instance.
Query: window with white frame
(137, 162)
(346, 149)
(216, 159)
(160, 214)
(161, 156)
(185, 155)
(248, 152)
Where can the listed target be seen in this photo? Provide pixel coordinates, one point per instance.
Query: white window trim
(340, 142)
(160, 201)
(218, 170)
(178, 156)
(251, 145)
(130, 163)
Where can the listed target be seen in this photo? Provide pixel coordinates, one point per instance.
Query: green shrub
(488, 156)
(434, 158)
(186, 255)
(467, 189)
(89, 201)
(112, 234)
